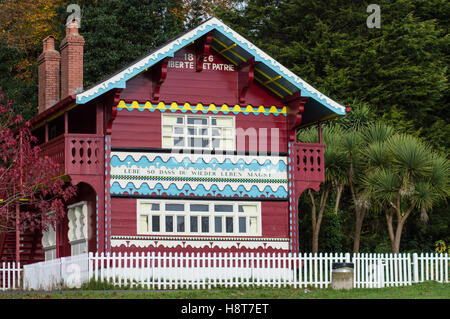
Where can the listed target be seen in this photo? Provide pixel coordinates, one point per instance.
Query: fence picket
(177, 270)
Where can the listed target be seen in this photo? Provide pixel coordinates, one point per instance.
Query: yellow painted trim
(204, 108)
(269, 88)
(276, 78)
(228, 48)
(273, 79)
(223, 44)
(217, 50)
(278, 84)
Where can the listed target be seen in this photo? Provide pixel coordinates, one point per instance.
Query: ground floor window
(198, 217)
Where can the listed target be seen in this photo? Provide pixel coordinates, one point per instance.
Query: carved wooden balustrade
(309, 163)
(77, 154)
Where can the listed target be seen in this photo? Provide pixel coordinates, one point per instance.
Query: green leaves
(405, 168)
(118, 32)
(410, 156)
(399, 70)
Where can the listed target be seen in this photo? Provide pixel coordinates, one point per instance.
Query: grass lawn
(426, 290)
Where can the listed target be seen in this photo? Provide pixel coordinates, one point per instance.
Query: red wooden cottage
(192, 147)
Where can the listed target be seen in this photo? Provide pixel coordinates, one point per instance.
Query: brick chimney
(71, 61)
(48, 75)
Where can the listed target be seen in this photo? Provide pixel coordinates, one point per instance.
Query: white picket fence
(210, 270)
(10, 276)
(57, 273)
(172, 271)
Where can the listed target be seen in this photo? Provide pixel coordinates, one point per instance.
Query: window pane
(247, 208)
(199, 208)
(213, 122)
(204, 131)
(253, 225)
(227, 144)
(143, 225)
(195, 142)
(175, 207)
(178, 130)
(167, 130)
(205, 142)
(218, 224)
(180, 120)
(145, 207)
(194, 224)
(242, 225)
(229, 224)
(215, 132)
(227, 133)
(191, 131)
(205, 224)
(227, 122)
(197, 120)
(178, 141)
(180, 224)
(169, 120)
(216, 142)
(155, 206)
(167, 142)
(155, 223)
(223, 208)
(169, 224)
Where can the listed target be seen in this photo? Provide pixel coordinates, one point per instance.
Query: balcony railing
(309, 162)
(80, 154)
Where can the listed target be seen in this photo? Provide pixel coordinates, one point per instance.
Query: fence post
(90, 266)
(415, 267)
(347, 257)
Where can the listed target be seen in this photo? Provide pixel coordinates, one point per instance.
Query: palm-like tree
(405, 176)
(357, 144)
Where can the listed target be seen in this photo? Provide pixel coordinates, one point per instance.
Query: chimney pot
(72, 28)
(49, 43)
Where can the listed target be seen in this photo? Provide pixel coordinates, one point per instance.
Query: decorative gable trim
(119, 80)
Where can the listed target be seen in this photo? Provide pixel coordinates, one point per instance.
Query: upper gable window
(198, 131)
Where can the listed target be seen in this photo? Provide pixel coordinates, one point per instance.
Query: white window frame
(235, 214)
(48, 241)
(78, 215)
(209, 136)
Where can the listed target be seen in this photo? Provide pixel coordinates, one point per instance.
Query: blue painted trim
(200, 190)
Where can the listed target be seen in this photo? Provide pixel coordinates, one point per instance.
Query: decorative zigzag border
(198, 238)
(199, 163)
(200, 190)
(198, 179)
(225, 109)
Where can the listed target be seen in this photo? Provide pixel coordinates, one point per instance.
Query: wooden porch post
(319, 128)
(66, 122)
(17, 203)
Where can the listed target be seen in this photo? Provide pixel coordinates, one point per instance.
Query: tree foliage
(400, 70)
(27, 179)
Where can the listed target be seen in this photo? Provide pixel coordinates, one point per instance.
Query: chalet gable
(241, 54)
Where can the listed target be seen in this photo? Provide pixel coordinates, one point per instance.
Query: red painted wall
(142, 129)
